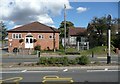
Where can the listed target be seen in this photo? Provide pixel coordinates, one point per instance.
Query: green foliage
(34, 52)
(116, 41)
(97, 30)
(99, 50)
(83, 60)
(38, 47)
(3, 31)
(61, 28)
(73, 62)
(52, 60)
(63, 61)
(43, 60)
(21, 40)
(61, 46)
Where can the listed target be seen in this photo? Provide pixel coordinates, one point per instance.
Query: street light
(65, 27)
(109, 39)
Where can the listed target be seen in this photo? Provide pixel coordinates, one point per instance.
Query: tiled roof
(34, 27)
(76, 31)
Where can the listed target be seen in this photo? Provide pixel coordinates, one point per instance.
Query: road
(78, 75)
(36, 59)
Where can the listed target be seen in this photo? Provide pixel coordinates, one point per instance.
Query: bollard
(108, 59)
(38, 53)
(92, 54)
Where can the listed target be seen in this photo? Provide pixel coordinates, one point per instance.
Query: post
(92, 54)
(78, 47)
(65, 27)
(38, 52)
(109, 40)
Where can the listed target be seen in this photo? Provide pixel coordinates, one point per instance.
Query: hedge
(83, 60)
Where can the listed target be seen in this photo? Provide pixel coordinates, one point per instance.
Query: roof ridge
(34, 26)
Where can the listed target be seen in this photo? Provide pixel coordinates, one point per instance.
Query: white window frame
(40, 36)
(14, 36)
(51, 36)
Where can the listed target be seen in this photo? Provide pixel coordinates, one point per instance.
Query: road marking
(40, 71)
(10, 72)
(24, 71)
(65, 70)
(13, 80)
(106, 69)
(11, 66)
(102, 57)
(102, 70)
(56, 79)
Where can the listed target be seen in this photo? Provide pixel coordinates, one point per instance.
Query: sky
(16, 13)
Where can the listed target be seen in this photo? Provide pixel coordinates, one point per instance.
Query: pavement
(47, 68)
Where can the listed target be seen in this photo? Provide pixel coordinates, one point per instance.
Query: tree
(61, 28)
(97, 31)
(3, 32)
(116, 37)
(116, 41)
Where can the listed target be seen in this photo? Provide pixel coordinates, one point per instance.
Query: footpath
(68, 67)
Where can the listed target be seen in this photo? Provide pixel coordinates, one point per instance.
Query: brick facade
(47, 37)
(45, 43)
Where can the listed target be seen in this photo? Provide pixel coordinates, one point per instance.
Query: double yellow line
(56, 79)
(11, 80)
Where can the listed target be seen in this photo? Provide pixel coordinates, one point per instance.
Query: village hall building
(33, 34)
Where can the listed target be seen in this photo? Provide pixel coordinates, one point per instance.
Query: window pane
(40, 36)
(16, 35)
(31, 40)
(50, 36)
(19, 35)
(26, 40)
(13, 35)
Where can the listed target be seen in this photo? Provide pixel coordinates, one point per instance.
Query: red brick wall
(44, 43)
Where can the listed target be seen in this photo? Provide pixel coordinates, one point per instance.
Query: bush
(43, 60)
(34, 52)
(73, 62)
(52, 60)
(38, 47)
(34, 40)
(15, 50)
(21, 40)
(97, 62)
(83, 60)
(61, 46)
(65, 60)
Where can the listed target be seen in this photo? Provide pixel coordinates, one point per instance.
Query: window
(26, 40)
(50, 36)
(40, 36)
(16, 36)
(31, 40)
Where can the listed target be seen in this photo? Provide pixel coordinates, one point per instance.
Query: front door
(29, 42)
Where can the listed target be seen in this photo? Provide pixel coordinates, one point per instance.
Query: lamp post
(65, 27)
(109, 39)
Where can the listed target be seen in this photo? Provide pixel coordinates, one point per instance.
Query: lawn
(99, 50)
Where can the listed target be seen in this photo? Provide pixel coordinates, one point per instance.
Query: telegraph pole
(65, 27)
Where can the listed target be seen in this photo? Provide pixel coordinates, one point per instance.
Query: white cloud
(81, 9)
(25, 11)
